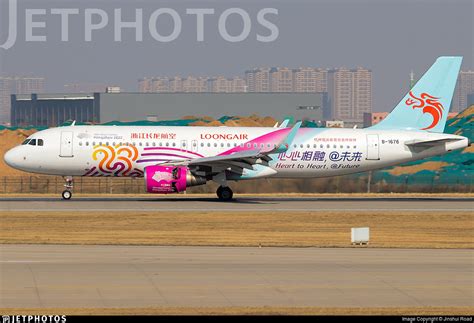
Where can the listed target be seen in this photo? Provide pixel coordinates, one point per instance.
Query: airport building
(20, 85)
(47, 110)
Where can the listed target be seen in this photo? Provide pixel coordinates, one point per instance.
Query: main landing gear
(67, 194)
(224, 193)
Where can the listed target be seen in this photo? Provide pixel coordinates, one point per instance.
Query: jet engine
(170, 179)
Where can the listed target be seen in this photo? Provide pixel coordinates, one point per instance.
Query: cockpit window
(26, 142)
(32, 142)
(40, 142)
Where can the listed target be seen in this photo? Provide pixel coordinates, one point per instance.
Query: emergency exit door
(373, 147)
(66, 144)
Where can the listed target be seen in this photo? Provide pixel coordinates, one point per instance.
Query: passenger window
(249, 145)
(222, 144)
(80, 143)
(215, 144)
(174, 144)
(153, 143)
(140, 144)
(208, 144)
(32, 142)
(87, 143)
(167, 144)
(202, 144)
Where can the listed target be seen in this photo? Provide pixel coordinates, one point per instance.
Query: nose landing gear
(67, 194)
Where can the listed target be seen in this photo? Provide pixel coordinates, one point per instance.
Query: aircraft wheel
(224, 193)
(66, 195)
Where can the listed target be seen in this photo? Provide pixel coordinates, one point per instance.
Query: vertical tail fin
(426, 106)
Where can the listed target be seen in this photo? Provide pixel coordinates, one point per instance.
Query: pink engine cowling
(165, 179)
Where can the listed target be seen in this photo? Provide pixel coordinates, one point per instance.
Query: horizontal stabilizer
(430, 143)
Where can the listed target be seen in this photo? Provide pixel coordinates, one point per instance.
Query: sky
(391, 37)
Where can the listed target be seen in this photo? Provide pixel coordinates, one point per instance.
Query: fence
(374, 183)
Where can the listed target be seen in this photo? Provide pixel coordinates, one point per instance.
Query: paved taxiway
(139, 276)
(189, 204)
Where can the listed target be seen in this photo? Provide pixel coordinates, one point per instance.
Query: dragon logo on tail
(430, 104)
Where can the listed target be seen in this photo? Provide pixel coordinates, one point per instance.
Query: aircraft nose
(12, 157)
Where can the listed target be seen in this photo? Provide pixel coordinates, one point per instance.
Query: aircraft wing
(243, 159)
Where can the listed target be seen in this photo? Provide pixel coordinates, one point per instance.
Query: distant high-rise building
(362, 89)
(258, 80)
(281, 79)
(308, 79)
(176, 84)
(221, 84)
(16, 85)
(145, 85)
(350, 93)
(340, 93)
(238, 85)
(154, 85)
(160, 85)
(464, 87)
(195, 84)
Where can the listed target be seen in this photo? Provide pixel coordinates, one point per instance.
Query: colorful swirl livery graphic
(430, 105)
(115, 161)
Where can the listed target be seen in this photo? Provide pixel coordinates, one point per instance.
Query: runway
(56, 276)
(193, 204)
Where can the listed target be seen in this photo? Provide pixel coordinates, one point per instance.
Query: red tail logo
(430, 104)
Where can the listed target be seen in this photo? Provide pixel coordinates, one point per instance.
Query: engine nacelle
(170, 179)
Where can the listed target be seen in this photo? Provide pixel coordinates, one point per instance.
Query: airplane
(171, 159)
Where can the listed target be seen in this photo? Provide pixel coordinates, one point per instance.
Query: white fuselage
(127, 150)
